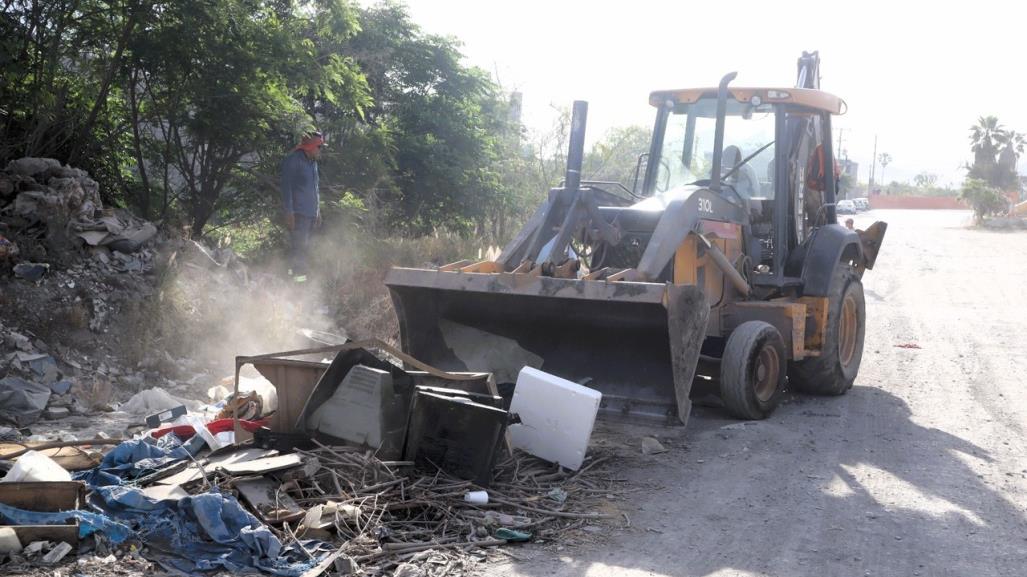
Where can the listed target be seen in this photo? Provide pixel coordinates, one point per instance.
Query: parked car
(862, 203)
(846, 207)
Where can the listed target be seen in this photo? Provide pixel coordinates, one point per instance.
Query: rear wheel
(752, 370)
(833, 372)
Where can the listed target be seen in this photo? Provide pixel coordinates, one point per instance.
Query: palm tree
(1011, 144)
(885, 159)
(983, 140)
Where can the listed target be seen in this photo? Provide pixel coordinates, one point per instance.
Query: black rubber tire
(750, 348)
(828, 374)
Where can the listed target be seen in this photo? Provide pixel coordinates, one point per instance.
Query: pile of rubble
(335, 459)
(68, 268)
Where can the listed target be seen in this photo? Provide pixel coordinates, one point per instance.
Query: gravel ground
(920, 470)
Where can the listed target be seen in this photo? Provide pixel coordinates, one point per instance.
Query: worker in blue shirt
(301, 200)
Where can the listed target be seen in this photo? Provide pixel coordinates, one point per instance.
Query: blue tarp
(199, 533)
(88, 523)
(205, 532)
(133, 459)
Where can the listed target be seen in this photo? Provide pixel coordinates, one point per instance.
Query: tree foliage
(996, 151)
(183, 109)
(985, 199)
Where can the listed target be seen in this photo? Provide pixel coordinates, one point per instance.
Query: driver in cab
(744, 179)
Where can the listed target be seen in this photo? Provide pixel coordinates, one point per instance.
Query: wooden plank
(453, 266)
(70, 458)
(55, 533)
(46, 497)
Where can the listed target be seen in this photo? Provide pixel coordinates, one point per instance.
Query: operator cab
(776, 146)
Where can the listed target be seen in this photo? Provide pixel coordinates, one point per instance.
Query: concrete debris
(36, 548)
(57, 553)
(54, 413)
(650, 446)
(30, 271)
(32, 166)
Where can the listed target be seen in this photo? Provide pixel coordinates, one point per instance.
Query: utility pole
(873, 169)
(839, 149)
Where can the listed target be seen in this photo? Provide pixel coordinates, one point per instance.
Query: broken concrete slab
(57, 553)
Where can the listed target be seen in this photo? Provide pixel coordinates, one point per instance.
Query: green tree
(984, 140)
(222, 87)
(616, 156)
(61, 68)
(925, 180)
(430, 151)
(985, 199)
(1011, 144)
(996, 151)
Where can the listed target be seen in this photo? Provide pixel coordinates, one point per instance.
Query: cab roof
(799, 96)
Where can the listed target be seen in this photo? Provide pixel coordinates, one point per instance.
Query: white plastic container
(557, 417)
(35, 466)
(477, 497)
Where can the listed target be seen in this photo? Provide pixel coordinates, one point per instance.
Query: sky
(915, 75)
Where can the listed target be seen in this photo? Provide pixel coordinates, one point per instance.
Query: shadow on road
(849, 486)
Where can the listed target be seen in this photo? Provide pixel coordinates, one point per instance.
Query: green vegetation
(996, 150)
(183, 109)
(985, 200)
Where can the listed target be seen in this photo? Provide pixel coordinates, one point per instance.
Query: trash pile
(79, 282)
(350, 459)
(69, 268)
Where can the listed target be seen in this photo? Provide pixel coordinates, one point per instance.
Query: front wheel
(752, 370)
(833, 372)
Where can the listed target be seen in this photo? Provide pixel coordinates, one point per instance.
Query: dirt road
(920, 470)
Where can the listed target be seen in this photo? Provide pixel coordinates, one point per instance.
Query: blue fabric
(300, 192)
(206, 532)
(89, 523)
(133, 459)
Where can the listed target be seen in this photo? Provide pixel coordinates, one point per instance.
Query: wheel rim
(847, 330)
(766, 373)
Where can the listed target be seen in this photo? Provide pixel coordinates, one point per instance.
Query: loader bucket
(637, 343)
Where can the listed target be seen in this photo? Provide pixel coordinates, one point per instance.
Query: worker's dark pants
(299, 243)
